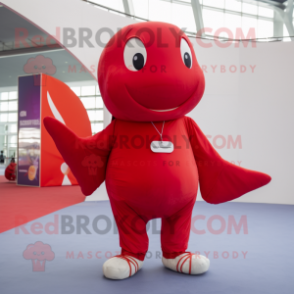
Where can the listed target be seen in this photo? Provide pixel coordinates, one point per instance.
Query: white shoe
(121, 267)
(188, 263)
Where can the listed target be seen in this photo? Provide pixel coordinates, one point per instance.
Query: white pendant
(162, 146)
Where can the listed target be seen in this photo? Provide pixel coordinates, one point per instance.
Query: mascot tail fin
(220, 181)
(230, 182)
(86, 157)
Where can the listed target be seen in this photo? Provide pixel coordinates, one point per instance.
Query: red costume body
(142, 184)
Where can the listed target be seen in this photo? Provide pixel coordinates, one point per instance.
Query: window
(76, 90)
(264, 28)
(213, 3)
(92, 101)
(249, 8)
(213, 19)
(13, 95)
(233, 5)
(12, 106)
(3, 117)
(233, 22)
(141, 8)
(88, 90)
(12, 128)
(89, 102)
(12, 117)
(8, 107)
(4, 96)
(248, 23)
(262, 11)
(183, 17)
(160, 10)
(8, 122)
(4, 106)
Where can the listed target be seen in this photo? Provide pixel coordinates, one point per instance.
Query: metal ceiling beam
(31, 50)
(286, 17)
(278, 25)
(128, 7)
(197, 11)
(265, 3)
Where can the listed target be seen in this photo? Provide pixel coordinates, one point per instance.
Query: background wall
(257, 105)
(247, 107)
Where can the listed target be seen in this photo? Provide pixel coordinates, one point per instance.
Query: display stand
(39, 162)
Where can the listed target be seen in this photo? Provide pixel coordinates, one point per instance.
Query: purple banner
(29, 132)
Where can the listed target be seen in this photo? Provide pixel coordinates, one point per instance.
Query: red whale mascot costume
(152, 156)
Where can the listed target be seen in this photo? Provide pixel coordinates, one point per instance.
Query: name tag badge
(162, 147)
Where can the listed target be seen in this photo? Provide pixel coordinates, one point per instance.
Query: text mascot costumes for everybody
(149, 79)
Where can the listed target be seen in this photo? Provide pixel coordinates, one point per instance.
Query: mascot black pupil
(138, 61)
(187, 59)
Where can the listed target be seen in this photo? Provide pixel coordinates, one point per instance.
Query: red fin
(220, 181)
(86, 157)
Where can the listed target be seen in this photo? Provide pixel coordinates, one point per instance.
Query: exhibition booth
(39, 162)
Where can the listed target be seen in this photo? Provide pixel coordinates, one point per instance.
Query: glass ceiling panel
(231, 14)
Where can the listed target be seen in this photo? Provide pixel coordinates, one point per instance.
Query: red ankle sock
(171, 255)
(139, 256)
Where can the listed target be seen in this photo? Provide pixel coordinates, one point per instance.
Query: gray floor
(267, 267)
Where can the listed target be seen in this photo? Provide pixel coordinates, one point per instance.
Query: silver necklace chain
(160, 134)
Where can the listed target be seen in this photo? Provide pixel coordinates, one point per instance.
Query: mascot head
(149, 72)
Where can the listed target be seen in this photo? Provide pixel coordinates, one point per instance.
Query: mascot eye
(186, 53)
(135, 54)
